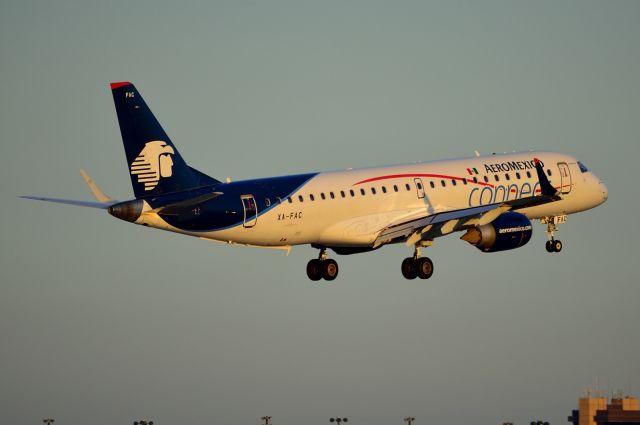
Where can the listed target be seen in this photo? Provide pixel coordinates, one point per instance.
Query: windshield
(582, 167)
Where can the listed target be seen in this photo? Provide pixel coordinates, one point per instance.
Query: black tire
(409, 269)
(549, 246)
(314, 271)
(557, 246)
(329, 269)
(424, 267)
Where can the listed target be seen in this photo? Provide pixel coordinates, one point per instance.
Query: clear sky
(104, 322)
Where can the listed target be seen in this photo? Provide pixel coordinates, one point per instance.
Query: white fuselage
(351, 207)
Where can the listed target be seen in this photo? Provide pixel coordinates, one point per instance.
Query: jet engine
(127, 211)
(510, 230)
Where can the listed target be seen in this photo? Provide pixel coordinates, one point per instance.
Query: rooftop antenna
(477, 154)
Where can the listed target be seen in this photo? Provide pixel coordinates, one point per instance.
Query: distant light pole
(409, 419)
(338, 419)
(143, 422)
(48, 421)
(266, 419)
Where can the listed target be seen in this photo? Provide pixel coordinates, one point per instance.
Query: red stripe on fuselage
(434, 176)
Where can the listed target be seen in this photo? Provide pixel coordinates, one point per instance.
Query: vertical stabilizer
(154, 163)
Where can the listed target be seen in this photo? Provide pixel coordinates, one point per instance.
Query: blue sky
(104, 320)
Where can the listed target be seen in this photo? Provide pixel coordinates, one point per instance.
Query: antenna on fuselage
(228, 179)
(477, 154)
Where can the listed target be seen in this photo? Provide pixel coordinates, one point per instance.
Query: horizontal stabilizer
(99, 195)
(100, 205)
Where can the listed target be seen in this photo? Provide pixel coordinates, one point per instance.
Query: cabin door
(565, 177)
(250, 210)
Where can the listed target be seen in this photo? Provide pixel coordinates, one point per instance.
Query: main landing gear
(322, 267)
(417, 266)
(553, 245)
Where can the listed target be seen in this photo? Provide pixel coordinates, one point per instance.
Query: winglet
(99, 195)
(545, 186)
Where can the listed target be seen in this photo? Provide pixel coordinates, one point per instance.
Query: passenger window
(432, 184)
(300, 198)
(486, 179)
(475, 180)
(518, 176)
(362, 192)
(408, 187)
(373, 190)
(322, 196)
(352, 193)
(342, 193)
(311, 197)
(419, 185)
(384, 189)
(267, 202)
(332, 195)
(290, 200)
(395, 188)
(278, 200)
(528, 174)
(506, 176)
(453, 182)
(443, 183)
(549, 172)
(464, 181)
(496, 177)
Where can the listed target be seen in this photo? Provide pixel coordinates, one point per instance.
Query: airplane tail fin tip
(119, 84)
(155, 165)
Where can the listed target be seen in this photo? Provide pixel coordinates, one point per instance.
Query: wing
(432, 226)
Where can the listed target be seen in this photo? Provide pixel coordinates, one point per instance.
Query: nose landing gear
(553, 245)
(322, 267)
(417, 266)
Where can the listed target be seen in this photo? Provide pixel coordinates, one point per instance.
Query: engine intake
(510, 230)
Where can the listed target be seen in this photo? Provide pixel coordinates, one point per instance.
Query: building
(596, 411)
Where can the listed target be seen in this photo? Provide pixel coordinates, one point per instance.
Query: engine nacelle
(127, 211)
(510, 230)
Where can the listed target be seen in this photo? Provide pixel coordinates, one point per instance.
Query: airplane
(490, 199)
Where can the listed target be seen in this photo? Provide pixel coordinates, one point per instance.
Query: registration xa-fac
(489, 200)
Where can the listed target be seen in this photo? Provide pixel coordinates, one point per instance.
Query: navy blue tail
(155, 165)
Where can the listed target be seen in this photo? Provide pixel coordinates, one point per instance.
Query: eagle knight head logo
(153, 163)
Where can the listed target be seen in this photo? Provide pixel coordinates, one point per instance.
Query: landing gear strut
(417, 266)
(553, 245)
(322, 267)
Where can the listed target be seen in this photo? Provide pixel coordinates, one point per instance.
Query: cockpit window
(582, 167)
